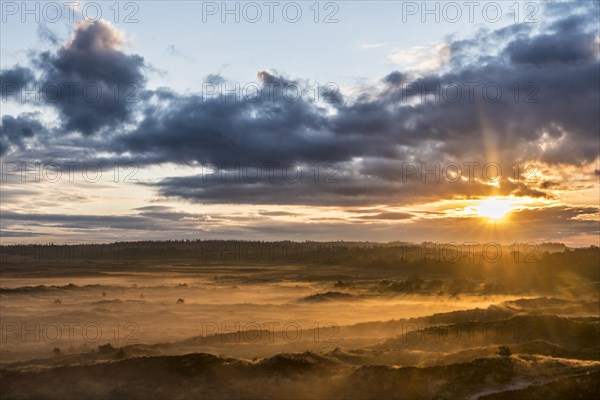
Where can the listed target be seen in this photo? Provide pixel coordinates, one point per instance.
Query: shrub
(105, 348)
(504, 351)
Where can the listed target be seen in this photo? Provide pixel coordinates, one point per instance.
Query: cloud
(550, 117)
(556, 223)
(567, 47)
(14, 78)
(175, 52)
(89, 81)
(141, 221)
(367, 46)
(422, 58)
(17, 131)
(392, 216)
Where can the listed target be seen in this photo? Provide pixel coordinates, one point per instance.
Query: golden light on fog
(494, 209)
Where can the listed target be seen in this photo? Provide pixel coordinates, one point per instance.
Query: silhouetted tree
(105, 348)
(504, 351)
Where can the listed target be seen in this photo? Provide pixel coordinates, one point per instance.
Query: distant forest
(522, 261)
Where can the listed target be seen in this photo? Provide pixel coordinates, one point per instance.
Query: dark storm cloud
(198, 189)
(92, 53)
(16, 131)
(371, 183)
(11, 79)
(566, 46)
(92, 83)
(394, 78)
(222, 130)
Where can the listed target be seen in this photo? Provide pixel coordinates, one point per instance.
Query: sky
(347, 120)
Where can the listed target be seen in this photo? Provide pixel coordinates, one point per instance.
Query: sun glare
(494, 209)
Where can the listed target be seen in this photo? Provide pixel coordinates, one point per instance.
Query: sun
(494, 209)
